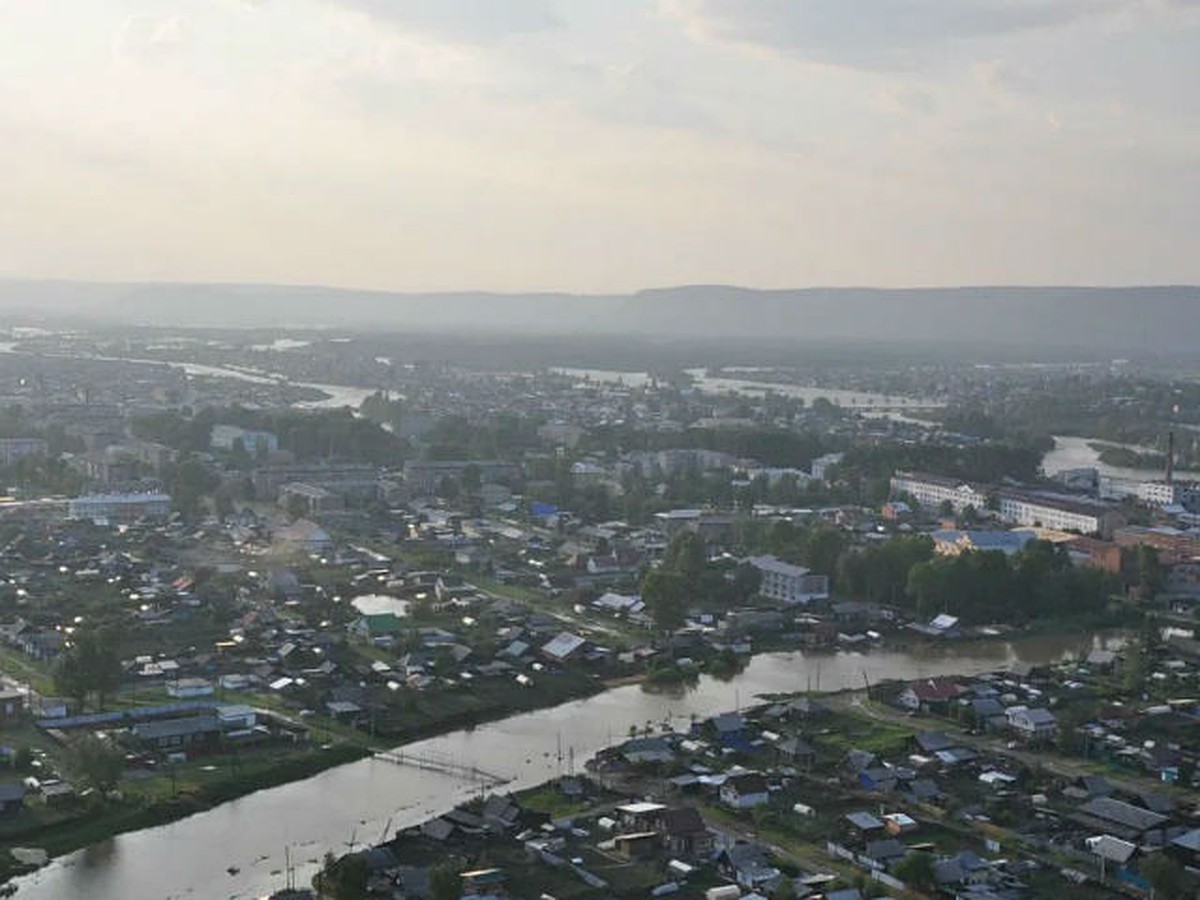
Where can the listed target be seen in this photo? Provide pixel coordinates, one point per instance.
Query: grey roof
(1040, 716)
(1122, 813)
(924, 789)
(1189, 841)
(932, 741)
(168, 728)
(438, 829)
(11, 791)
(728, 722)
(1154, 801)
(1113, 849)
(745, 855)
(884, 850)
(858, 760)
(863, 821)
(563, 645)
(795, 747)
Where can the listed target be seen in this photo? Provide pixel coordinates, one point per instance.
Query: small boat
(233, 870)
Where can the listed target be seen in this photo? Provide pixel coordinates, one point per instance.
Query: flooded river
(356, 802)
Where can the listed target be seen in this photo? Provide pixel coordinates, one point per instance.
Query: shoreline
(123, 816)
(117, 817)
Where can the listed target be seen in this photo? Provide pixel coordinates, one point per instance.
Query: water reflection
(192, 857)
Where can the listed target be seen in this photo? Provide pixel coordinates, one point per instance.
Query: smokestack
(1170, 457)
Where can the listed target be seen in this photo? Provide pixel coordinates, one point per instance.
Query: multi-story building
(1151, 493)
(822, 464)
(426, 477)
(1173, 544)
(1056, 511)
(787, 583)
(119, 507)
(354, 482)
(931, 491)
(14, 449)
(256, 443)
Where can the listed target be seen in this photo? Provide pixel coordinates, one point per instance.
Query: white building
(14, 449)
(256, 443)
(1151, 493)
(190, 688)
(1056, 512)
(821, 465)
(931, 491)
(786, 583)
(119, 507)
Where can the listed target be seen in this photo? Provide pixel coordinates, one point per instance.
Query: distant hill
(1128, 319)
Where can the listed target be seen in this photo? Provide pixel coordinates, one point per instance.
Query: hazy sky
(597, 145)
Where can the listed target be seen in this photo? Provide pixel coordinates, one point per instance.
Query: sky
(601, 145)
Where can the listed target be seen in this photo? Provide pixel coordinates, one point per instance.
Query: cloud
(466, 21)
(1001, 78)
(875, 33)
(143, 38)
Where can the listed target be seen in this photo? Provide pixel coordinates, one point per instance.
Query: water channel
(237, 849)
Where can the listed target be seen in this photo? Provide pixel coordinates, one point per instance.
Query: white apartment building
(226, 437)
(821, 465)
(119, 507)
(1055, 512)
(931, 491)
(1151, 493)
(786, 583)
(14, 449)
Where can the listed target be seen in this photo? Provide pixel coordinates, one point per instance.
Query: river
(356, 802)
(1075, 453)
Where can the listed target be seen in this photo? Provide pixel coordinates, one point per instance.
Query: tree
(1152, 576)
(22, 759)
(746, 582)
(345, 878)
(444, 883)
(1168, 878)
(822, 549)
(687, 557)
(917, 871)
(97, 763)
(89, 664)
(665, 596)
(70, 679)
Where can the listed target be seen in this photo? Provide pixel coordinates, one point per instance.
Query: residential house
(563, 647)
(749, 865)
(1036, 725)
(179, 734)
(882, 854)
(639, 845)
(745, 791)
(12, 707)
(931, 694)
(685, 834)
(12, 797)
(1118, 818)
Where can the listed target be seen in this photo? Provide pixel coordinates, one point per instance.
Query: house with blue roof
(951, 542)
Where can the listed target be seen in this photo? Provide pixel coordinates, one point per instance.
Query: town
(232, 561)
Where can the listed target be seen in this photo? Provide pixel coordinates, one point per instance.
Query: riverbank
(147, 805)
(474, 707)
(121, 812)
(365, 797)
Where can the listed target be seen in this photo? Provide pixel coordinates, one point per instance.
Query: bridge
(443, 766)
